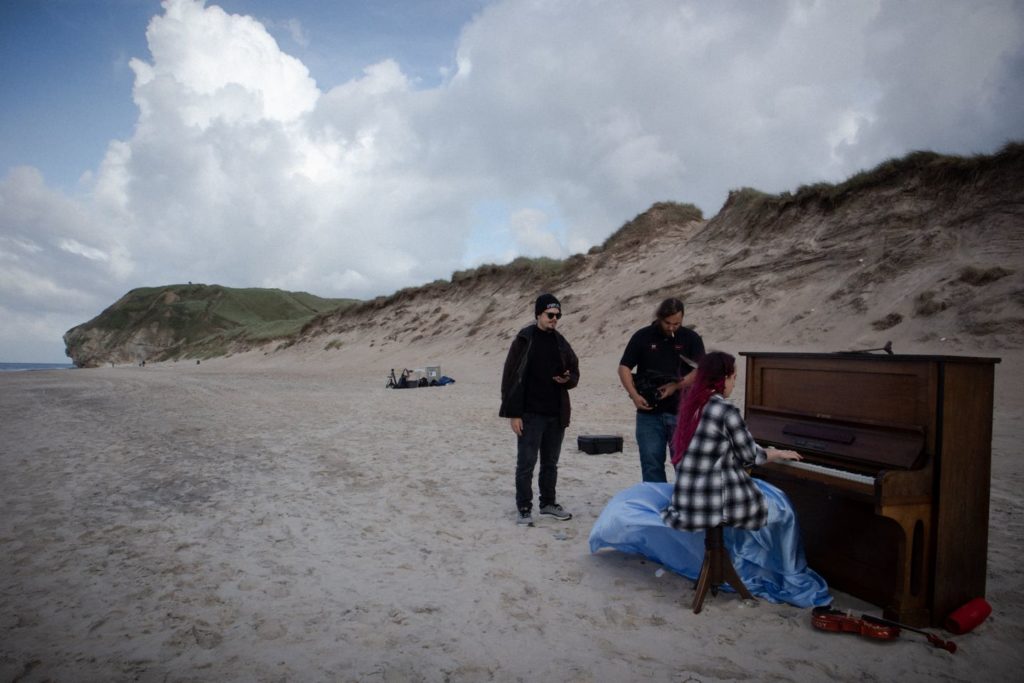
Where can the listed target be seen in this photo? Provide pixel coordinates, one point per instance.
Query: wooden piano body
(893, 504)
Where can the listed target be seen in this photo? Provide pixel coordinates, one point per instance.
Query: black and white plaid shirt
(712, 487)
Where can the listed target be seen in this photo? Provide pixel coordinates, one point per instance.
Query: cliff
(190, 321)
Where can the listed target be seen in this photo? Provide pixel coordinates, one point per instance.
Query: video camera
(647, 384)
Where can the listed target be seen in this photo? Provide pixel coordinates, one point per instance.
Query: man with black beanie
(539, 371)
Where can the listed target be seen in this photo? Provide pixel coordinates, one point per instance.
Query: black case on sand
(599, 443)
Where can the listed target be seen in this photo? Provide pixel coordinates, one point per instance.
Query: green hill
(191, 321)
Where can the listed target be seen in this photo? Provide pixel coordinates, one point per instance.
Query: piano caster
(716, 570)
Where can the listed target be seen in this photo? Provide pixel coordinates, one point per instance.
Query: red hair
(711, 372)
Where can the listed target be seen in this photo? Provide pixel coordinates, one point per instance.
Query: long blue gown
(769, 560)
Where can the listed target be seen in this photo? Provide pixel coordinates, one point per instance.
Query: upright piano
(892, 495)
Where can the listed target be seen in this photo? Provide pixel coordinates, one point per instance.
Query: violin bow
(947, 645)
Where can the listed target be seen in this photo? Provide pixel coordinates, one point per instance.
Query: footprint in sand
(206, 637)
(270, 629)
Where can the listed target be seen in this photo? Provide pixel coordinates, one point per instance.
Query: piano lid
(885, 358)
(867, 447)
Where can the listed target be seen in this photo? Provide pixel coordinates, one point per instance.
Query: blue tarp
(770, 560)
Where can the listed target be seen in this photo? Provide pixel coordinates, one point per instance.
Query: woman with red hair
(711, 448)
(667, 522)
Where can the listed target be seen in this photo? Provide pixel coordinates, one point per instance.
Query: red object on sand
(964, 619)
(828, 619)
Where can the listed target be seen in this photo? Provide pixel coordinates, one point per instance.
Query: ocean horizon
(21, 367)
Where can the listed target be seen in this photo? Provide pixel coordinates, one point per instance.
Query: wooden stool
(717, 569)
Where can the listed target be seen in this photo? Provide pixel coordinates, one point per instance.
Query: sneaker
(525, 518)
(555, 510)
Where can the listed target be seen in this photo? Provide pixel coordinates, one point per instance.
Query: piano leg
(909, 605)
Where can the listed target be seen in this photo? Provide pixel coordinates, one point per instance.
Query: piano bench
(717, 569)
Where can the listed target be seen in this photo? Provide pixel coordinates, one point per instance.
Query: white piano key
(829, 471)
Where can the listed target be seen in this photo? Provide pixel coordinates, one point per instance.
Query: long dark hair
(712, 370)
(668, 308)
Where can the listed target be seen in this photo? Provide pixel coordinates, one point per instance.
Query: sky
(352, 148)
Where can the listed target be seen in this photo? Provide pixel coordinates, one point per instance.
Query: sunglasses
(553, 316)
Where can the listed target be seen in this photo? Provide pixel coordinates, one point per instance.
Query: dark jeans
(542, 435)
(653, 435)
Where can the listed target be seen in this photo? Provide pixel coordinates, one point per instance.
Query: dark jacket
(513, 390)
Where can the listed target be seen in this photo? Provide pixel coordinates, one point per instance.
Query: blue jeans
(653, 435)
(542, 435)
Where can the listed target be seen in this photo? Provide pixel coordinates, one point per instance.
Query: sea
(21, 367)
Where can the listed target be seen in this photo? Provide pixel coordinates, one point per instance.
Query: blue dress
(770, 560)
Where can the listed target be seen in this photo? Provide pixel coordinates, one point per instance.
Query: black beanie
(544, 302)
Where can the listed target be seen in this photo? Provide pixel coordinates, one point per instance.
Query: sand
(279, 518)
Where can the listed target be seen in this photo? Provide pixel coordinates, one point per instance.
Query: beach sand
(285, 518)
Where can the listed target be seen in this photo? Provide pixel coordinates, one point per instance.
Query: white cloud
(28, 336)
(297, 32)
(57, 254)
(533, 236)
(218, 66)
(31, 291)
(242, 171)
(85, 251)
(963, 91)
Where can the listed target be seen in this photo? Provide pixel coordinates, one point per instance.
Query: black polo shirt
(650, 350)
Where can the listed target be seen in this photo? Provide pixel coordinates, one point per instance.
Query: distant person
(539, 371)
(712, 446)
(663, 354)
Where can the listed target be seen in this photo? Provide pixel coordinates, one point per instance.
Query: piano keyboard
(829, 471)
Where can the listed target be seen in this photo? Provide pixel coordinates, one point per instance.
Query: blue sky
(354, 148)
(67, 84)
(58, 56)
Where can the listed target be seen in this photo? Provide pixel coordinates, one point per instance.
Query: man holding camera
(663, 354)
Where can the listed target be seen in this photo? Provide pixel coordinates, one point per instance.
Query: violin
(828, 619)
